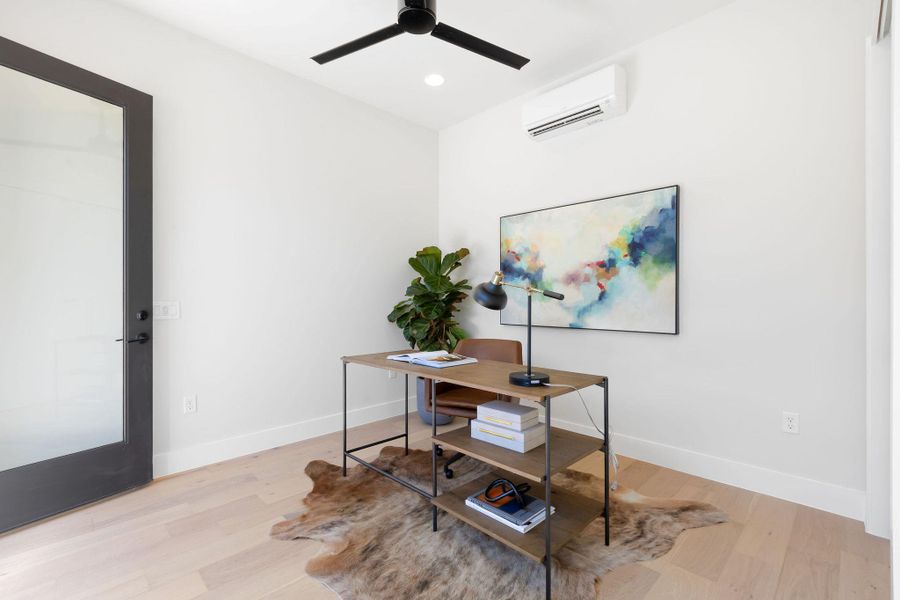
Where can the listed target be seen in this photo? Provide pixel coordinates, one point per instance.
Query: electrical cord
(614, 459)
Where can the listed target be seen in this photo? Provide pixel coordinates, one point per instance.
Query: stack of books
(509, 512)
(508, 425)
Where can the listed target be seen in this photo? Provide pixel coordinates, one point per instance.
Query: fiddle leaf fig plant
(426, 316)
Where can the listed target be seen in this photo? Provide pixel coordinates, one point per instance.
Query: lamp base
(526, 379)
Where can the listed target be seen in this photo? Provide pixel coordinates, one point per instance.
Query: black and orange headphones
(501, 491)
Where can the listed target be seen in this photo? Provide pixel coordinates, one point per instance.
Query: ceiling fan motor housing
(417, 16)
(420, 17)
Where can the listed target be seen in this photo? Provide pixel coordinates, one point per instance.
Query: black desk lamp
(491, 295)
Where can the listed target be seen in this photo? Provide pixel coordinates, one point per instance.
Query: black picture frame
(38, 490)
(677, 319)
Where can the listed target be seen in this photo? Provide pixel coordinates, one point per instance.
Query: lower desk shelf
(573, 513)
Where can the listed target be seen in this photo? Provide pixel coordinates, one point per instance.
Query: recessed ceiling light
(434, 80)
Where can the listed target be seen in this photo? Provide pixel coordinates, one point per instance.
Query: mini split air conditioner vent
(596, 97)
(581, 115)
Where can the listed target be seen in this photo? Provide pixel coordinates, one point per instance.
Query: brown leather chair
(459, 401)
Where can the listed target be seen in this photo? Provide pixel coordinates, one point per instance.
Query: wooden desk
(561, 449)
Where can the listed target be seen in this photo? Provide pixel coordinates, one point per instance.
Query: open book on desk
(438, 359)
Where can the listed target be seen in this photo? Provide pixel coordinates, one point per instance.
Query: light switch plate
(166, 310)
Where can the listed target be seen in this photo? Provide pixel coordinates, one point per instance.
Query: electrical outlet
(790, 422)
(392, 374)
(190, 404)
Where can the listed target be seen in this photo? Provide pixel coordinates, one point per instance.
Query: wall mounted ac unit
(595, 97)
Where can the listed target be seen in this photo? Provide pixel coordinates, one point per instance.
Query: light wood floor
(204, 534)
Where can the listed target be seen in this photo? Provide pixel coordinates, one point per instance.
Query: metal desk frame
(348, 453)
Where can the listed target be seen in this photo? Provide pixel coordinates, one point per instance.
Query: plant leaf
(430, 251)
(458, 332)
(418, 328)
(399, 310)
(416, 287)
(426, 264)
(438, 284)
(450, 259)
(432, 310)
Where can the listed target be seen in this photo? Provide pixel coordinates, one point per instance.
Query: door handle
(141, 338)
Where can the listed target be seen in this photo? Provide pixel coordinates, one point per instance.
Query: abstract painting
(615, 259)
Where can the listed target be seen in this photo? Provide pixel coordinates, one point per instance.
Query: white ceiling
(560, 37)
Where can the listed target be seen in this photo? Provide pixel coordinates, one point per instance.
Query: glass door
(75, 286)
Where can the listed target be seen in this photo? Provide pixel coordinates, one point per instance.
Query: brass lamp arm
(497, 279)
(529, 289)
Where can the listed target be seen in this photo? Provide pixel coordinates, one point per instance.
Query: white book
(509, 415)
(519, 441)
(537, 520)
(439, 359)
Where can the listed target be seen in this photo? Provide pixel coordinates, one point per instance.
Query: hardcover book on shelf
(506, 414)
(508, 508)
(528, 526)
(509, 511)
(438, 359)
(519, 441)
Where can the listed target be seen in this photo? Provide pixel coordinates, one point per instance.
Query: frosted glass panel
(61, 265)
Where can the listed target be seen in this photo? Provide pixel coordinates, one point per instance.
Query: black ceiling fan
(419, 17)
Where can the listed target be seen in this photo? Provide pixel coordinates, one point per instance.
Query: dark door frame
(42, 489)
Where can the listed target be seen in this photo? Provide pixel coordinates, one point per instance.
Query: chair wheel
(448, 473)
(439, 451)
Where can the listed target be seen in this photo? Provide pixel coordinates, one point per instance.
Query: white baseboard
(200, 455)
(836, 499)
(829, 497)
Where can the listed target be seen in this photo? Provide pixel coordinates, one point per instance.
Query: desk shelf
(573, 514)
(568, 448)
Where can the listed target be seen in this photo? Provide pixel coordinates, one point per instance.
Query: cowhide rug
(379, 543)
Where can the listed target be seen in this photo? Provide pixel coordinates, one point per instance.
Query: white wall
(757, 111)
(895, 309)
(283, 216)
(878, 285)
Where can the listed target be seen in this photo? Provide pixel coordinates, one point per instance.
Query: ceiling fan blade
(363, 42)
(478, 46)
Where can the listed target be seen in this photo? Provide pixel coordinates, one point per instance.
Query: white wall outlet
(790, 422)
(392, 374)
(190, 404)
(166, 310)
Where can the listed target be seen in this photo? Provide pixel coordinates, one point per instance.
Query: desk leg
(344, 454)
(406, 415)
(547, 520)
(433, 453)
(606, 511)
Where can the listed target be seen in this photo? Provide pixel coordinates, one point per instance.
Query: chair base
(448, 472)
(423, 410)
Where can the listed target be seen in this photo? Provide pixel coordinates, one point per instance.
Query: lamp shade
(490, 295)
